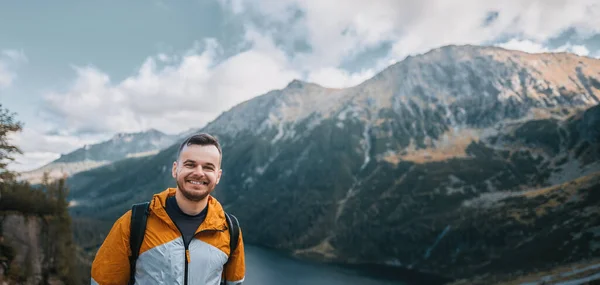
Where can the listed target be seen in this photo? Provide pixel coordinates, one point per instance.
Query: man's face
(197, 171)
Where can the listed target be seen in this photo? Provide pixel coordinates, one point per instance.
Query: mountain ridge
(119, 146)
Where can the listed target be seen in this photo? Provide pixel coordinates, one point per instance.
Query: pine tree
(7, 125)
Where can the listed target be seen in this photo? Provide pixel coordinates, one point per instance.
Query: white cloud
(9, 59)
(31, 160)
(524, 45)
(40, 148)
(15, 55)
(32, 140)
(576, 49)
(338, 78)
(235, 5)
(340, 29)
(535, 47)
(176, 97)
(6, 76)
(532, 21)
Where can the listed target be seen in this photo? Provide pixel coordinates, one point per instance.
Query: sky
(78, 72)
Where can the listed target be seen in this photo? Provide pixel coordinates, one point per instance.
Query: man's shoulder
(124, 221)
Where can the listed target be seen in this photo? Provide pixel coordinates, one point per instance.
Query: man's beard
(191, 195)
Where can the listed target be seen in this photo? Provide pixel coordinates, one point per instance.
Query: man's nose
(198, 170)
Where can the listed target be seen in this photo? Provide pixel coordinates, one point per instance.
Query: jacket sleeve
(235, 270)
(111, 264)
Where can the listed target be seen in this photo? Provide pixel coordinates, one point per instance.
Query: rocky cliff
(30, 251)
(463, 161)
(36, 244)
(24, 236)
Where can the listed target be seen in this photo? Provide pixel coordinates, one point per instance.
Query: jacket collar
(215, 216)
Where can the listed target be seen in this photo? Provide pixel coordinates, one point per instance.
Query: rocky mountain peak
(296, 83)
(146, 133)
(455, 86)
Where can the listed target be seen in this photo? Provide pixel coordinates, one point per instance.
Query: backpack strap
(234, 232)
(139, 216)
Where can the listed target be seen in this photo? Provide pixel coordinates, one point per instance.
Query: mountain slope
(388, 171)
(120, 146)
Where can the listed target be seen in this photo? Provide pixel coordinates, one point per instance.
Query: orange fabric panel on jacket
(111, 263)
(218, 239)
(235, 270)
(158, 233)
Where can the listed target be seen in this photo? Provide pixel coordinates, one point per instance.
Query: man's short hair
(200, 139)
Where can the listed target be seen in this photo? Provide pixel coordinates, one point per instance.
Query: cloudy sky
(77, 72)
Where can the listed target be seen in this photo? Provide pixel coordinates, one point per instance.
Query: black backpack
(139, 216)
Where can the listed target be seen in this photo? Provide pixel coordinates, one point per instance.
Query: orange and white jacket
(163, 258)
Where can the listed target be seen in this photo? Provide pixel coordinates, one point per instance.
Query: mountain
(459, 162)
(120, 146)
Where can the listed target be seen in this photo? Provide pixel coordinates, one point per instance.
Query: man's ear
(219, 175)
(174, 169)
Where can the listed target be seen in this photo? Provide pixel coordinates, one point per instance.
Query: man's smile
(197, 182)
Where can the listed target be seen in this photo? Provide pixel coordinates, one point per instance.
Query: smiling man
(187, 239)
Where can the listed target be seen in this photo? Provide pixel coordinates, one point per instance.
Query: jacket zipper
(187, 251)
(187, 260)
(185, 257)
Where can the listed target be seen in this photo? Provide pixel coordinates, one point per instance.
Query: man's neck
(191, 208)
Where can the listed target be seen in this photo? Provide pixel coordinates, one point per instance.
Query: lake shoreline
(377, 271)
(396, 273)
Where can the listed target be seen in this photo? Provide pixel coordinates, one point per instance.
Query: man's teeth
(198, 182)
